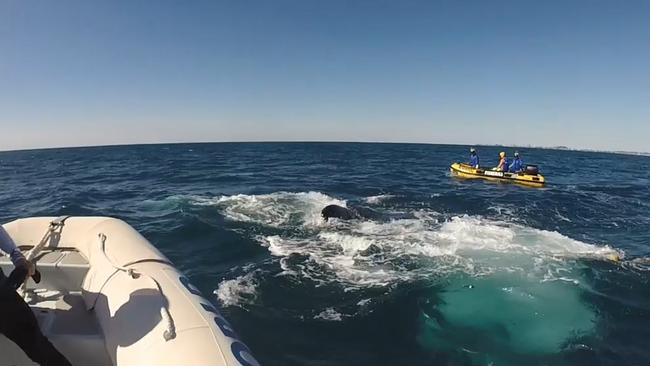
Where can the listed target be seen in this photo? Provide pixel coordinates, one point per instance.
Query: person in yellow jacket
(503, 163)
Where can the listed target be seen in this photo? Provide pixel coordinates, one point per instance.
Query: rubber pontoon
(108, 297)
(467, 171)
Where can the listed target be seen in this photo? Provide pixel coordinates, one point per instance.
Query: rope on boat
(56, 224)
(170, 331)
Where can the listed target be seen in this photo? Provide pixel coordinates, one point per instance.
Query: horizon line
(562, 148)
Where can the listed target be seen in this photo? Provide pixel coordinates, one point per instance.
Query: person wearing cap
(503, 163)
(473, 158)
(17, 321)
(517, 164)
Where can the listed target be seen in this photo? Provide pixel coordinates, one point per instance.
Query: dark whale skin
(338, 212)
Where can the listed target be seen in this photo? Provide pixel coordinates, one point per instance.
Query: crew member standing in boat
(17, 321)
(473, 158)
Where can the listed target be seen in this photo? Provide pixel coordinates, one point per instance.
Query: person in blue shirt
(17, 321)
(517, 164)
(473, 158)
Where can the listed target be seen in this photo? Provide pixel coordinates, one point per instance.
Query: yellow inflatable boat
(529, 177)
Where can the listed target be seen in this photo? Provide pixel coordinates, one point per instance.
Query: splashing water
(240, 290)
(276, 210)
(500, 288)
(373, 200)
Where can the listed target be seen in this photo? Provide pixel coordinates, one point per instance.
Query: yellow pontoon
(530, 176)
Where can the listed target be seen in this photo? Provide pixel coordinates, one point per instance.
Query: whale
(360, 213)
(339, 212)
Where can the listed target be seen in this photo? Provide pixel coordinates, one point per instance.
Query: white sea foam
(330, 314)
(561, 217)
(364, 302)
(373, 200)
(640, 264)
(528, 280)
(276, 209)
(503, 210)
(368, 253)
(238, 291)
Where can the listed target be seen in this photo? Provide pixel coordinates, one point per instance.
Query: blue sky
(573, 73)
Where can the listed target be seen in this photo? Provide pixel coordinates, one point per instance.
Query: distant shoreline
(557, 148)
(565, 148)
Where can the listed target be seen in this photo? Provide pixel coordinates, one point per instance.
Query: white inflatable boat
(108, 297)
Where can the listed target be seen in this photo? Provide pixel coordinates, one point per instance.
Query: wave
(369, 253)
(330, 314)
(373, 200)
(280, 209)
(640, 264)
(494, 273)
(430, 245)
(238, 291)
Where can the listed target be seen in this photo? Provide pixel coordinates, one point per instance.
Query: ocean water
(451, 272)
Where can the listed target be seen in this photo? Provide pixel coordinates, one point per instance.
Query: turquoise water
(449, 272)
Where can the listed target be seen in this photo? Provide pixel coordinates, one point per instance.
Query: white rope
(31, 255)
(170, 331)
(55, 224)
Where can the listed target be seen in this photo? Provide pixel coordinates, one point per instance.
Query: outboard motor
(531, 170)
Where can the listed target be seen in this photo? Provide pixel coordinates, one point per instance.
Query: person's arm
(8, 246)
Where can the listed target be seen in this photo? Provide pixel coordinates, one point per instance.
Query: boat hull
(467, 171)
(131, 305)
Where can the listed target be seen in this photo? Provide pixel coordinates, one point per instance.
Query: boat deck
(61, 311)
